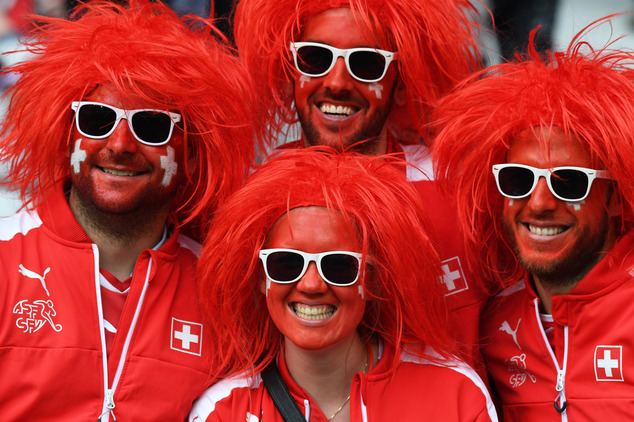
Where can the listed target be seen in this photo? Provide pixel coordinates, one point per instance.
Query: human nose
(542, 199)
(311, 282)
(122, 140)
(338, 79)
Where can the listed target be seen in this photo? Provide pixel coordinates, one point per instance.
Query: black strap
(283, 400)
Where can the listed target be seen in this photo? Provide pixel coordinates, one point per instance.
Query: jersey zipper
(108, 402)
(559, 403)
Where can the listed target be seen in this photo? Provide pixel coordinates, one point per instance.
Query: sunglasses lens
(313, 60)
(95, 120)
(152, 127)
(570, 184)
(367, 65)
(515, 181)
(284, 266)
(340, 268)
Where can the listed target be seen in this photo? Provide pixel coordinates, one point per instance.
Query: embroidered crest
(33, 316)
(453, 276)
(517, 365)
(187, 337)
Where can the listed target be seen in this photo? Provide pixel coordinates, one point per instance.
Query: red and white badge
(453, 276)
(187, 337)
(608, 363)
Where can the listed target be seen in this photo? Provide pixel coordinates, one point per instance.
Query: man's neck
(546, 291)
(120, 238)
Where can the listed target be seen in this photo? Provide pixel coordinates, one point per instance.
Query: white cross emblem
(303, 79)
(377, 89)
(187, 337)
(453, 277)
(77, 156)
(608, 363)
(169, 165)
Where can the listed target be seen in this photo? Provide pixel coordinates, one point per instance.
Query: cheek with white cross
(77, 157)
(377, 88)
(169, 164)
(576, 205)
(303, 79)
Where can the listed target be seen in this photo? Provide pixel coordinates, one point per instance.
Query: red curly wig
(145, 51)
(434, 40)
(584, 93)
(374, 200)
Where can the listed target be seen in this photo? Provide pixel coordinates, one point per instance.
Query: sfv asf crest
(608, 363)
(33, 316)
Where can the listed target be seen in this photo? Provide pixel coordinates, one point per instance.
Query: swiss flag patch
(453, 276)
(187, 337)
(608, 363)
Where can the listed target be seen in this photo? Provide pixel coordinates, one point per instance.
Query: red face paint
(118, 174)
(311, 313)
(336, 109)
(553, 238)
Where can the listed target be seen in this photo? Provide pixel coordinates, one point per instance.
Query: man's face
(311, 313)
(335, 109)
(557, 241)
(118, 175)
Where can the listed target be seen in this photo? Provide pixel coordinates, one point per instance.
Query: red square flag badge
(187, 336)
(608, 363)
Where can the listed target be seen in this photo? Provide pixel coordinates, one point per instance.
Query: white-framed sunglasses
(567, 183)
(285, 266)
(149, 126)
(365, 64)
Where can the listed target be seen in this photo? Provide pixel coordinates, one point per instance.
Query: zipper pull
(560, 381)
(110, 405)
(560, 387)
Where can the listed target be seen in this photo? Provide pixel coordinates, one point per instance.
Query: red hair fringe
(375, 201)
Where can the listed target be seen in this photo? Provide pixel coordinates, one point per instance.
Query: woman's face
(311, 313)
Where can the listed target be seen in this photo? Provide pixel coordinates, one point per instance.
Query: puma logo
(36, 276)
(513, 333)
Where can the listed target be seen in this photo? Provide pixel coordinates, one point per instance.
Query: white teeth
(546, 231)
(333, 109)
(313, 312)
(119, 172)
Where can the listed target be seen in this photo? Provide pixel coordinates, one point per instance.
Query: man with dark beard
(124, 119)
(363, 75)
(539, 157)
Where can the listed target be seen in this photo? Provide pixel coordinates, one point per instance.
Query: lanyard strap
(282, 398)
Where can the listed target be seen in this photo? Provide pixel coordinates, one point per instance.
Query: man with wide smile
(538, 154)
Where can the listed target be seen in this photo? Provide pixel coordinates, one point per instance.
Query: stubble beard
(569, 269)
(368, 140)
(123, 225)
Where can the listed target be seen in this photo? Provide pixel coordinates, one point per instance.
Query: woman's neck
(326, 374)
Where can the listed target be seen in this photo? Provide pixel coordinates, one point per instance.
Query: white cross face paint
(77, 157)
(361, 292)
(303, 79)
(377, 88)
(576, 205)
(268, 286)
(168, 163)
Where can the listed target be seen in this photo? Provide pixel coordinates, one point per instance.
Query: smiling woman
(326, 257)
